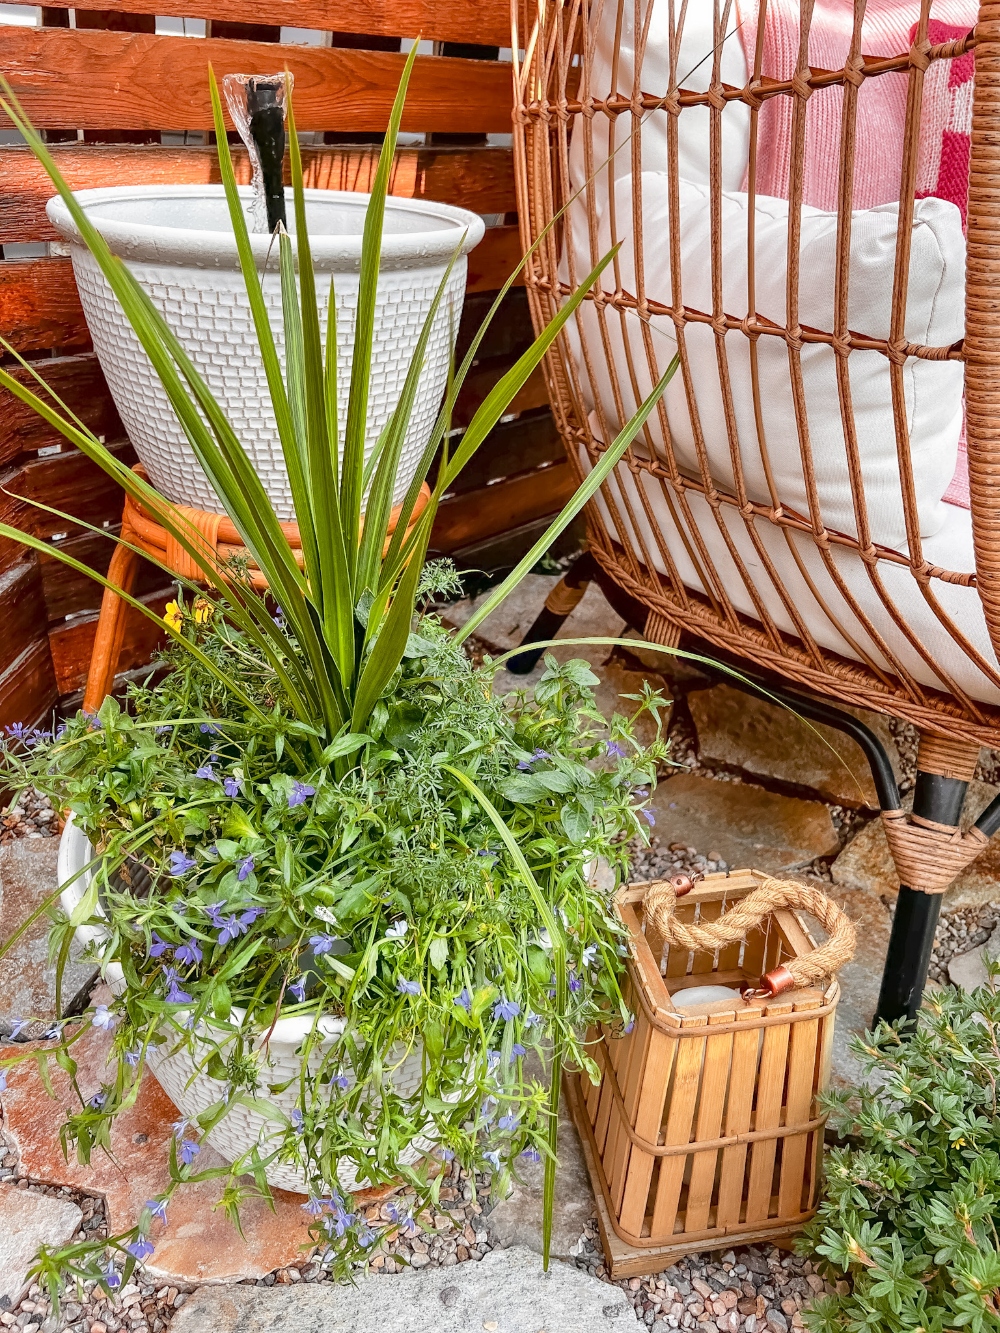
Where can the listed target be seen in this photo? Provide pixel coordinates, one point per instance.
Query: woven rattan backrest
(867, 650)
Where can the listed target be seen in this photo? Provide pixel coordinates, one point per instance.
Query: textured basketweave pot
(178, 242)
(192, 1091)
(704, 1129)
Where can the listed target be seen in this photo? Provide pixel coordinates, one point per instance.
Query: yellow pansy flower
(173, 616)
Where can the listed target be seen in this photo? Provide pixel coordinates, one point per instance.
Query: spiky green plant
(338, 651)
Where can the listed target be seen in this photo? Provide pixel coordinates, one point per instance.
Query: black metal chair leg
(560, 602)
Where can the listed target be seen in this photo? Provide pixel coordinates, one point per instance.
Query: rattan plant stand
(704, 1129)
(141, 532)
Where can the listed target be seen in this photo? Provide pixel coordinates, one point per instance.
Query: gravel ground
(31, 817)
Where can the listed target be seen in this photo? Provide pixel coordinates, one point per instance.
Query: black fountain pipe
(267, 129)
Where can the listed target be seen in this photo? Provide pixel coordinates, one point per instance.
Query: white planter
(192, 1091)
(178, 243)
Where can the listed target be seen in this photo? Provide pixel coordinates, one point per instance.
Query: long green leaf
(584, 492)
(356, 427)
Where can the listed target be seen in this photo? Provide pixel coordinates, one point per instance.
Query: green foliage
(339, 818)
(425, 896)
(910, 1208)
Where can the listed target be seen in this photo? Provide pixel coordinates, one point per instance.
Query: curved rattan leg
(944, 771)
(110, 629)
(559, 604)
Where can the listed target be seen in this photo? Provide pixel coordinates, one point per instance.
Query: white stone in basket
(192, 1091)
(178, 243)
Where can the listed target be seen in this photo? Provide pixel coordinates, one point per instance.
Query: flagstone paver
(198, 1244)
(28, 1220)
(506, 1293)
(742, 824)
(27, 978)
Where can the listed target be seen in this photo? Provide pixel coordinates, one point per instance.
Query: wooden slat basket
(704, 1130)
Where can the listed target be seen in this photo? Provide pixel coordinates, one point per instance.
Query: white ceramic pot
(178, 243)
(193, 1091)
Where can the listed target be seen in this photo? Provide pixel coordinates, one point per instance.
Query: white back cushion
(612, 70)
(932, 389)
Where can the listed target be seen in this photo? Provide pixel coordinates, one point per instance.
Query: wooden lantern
(704, 1130)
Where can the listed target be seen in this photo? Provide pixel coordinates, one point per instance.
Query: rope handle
(745, 915)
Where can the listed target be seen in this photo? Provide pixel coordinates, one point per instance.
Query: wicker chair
(763, 582)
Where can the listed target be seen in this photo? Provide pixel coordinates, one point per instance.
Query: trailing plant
(334, 816)
(911, 1202)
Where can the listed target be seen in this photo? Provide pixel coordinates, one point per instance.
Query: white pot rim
(435, 230)
(75, 851)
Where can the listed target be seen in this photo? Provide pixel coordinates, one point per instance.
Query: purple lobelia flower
(493, 1158)
(640, 793)
(465, 1000)
(210, 728)
(158, 946)
(233, 926)
(614, 749)
(509, 1121)
(648, 816)
(629, 1025)
(174, 993)
(207, 772)
(299, 794)
(141, 1248)
(244, 868)
(340, 1081)
(408, 987)
(133, 1056)
(298, 989)
(531, 1155)
(575, 984)
(516, 1051)
(188, 1151)
(164, 730)
(366, 1236)
(17, 1026)
(314, 1206)
(3, 1080)
(188, 953)
(112, 1279)
(297, 1121)
(181, 862)
(158, 1208)
(103, 1018)
(98, 1101)
(506, 1009)
(232, 786)
(214, 913)
(321, 944)
(17, 731)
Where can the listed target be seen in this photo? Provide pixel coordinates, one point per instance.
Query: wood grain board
(480, 179)
(68, 79)
(485, 21)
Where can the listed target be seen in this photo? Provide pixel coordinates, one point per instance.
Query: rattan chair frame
(554, 98)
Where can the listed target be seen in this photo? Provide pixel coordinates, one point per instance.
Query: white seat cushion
(950, 548)
(934, 316)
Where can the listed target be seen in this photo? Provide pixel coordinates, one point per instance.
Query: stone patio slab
(198, 1244)
(772, 742)
(27, 978)
(745, 825)
(507, 1292)
(27, 1221)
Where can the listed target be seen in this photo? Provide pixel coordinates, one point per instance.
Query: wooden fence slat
(72, 643)
(494, 259)
(487, 21)
(119, 80)
(78, 381)
(480, 179)
(22, 609)
(39, 305)
(28, 687)
(480, 514)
